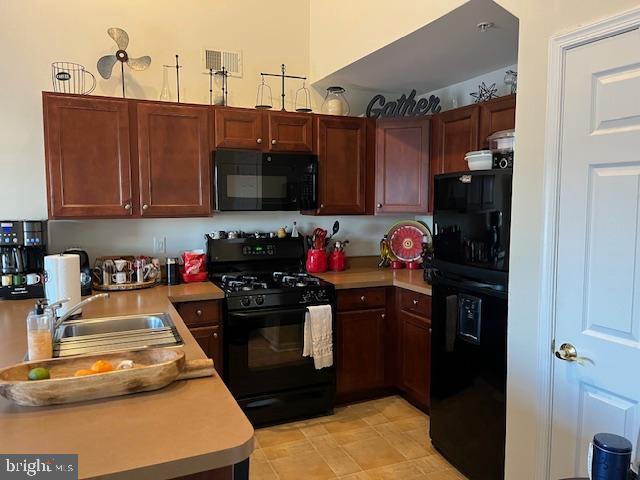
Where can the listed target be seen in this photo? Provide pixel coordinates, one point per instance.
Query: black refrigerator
(472, 217)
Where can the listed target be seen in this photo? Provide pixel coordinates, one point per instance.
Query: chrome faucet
(75, 308)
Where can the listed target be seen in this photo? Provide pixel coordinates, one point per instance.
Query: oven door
(263, 352)
(247, 180)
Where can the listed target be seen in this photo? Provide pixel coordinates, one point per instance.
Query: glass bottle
(335, 102)
(165, 93)
(40, 333)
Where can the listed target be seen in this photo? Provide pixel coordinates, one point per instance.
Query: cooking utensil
(336, 227)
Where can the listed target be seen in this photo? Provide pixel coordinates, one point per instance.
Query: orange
(102, 366)
(82, 372)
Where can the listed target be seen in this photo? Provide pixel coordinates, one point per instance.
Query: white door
(598, 251)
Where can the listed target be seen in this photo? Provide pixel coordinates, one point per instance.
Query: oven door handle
(262, 313)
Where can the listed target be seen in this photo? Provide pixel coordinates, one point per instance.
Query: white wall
(123, 237)
(539, 20)
(38, 32)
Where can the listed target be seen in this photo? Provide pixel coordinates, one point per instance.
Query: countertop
(187, 427)
(363, 272)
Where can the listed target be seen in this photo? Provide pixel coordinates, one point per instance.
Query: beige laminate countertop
(188, 427)
(363, 272)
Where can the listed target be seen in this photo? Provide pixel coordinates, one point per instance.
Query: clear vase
(165, 93)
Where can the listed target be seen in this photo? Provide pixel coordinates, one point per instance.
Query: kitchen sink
(108, 334)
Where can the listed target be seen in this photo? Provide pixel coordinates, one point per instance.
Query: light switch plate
(159, 244)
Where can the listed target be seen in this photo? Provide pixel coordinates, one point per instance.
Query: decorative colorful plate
(405, 240)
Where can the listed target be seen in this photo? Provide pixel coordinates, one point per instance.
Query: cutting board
(154, 368)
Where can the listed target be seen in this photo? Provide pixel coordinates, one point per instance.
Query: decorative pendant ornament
(107, 62)
(485, 93)
(511, 79)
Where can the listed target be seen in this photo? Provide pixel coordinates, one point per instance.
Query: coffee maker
(23, 246)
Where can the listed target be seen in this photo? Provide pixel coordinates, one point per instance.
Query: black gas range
(267, 294)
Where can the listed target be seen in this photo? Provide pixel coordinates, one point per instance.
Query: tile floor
(377, 440)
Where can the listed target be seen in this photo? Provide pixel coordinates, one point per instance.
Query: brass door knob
(199, 312)
(567, 352)
(259, 140)
(363, 298)
(379, 205)
(215, 335)
(415, 302)
(274, 141)
(127, 206)
(145, 207)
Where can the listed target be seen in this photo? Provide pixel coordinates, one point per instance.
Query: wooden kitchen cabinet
(414, 349)
(402, 165)
(415, 354)
(496, 115)
(87, 151)
(453, 134)
(360, 351)
(174, 160)
(342, 165)
(210, 340)
(239, 128)
(289, 132)
(203, 318)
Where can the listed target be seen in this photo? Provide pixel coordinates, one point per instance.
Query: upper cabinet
(342, 162)
(290, 132)
(402, 165)
(263, 130)
(239, 128)
(109, 158)
(174, 160)
(87, 150)
(453, 133)
(495, 115)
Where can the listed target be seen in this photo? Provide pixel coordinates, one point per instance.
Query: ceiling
(447, 51)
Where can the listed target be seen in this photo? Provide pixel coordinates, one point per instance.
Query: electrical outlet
(159, 244)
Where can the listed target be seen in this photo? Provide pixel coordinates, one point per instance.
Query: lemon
(38, 373)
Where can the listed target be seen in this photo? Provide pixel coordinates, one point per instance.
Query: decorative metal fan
(106, 63)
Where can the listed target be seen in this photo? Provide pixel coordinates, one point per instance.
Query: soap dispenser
(40, 333)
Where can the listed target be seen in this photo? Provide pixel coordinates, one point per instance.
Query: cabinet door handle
(363, 298)
(258, 140)
(127, 206)
(215, 334)
(379, 205)
(274, 141)
(382, 315)
(145, 207)
(322, 205)
(199, 312)
(415, 302)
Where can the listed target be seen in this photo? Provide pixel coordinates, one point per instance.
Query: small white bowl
(479, 160)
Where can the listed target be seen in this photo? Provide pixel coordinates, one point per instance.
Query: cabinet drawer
(361, 298)
(416, 303)
(199, 313)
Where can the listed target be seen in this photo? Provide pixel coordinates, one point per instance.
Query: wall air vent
(217, 58)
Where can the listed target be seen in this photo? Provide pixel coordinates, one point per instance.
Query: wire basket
(69, 77)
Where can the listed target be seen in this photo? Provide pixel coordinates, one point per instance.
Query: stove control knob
(259, 300)
(307, 297)
(321, 294)
(246, 301)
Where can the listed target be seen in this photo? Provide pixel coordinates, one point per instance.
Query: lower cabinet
(210, 340)
(383, 342)
(415, 352)
(360, 355)
(203, 319)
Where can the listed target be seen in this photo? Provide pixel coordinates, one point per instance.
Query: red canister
(316, 260)
(337, 261)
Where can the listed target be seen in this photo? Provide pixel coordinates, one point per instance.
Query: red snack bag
(194, 262)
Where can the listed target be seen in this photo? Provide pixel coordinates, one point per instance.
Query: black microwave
(248, 180)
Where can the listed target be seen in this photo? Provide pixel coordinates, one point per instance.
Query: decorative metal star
(485, 93)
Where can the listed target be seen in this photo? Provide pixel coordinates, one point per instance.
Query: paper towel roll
(62, 280)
